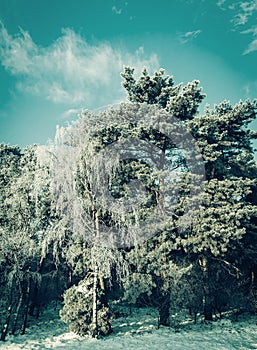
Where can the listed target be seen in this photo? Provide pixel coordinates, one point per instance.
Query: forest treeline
(148, 203)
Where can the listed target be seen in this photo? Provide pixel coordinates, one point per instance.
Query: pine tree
(226, 215)
(180, 104)
(226, 145)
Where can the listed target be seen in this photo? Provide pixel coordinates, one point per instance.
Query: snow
(139, 331)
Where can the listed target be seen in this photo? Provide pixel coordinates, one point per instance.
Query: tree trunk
(94, 317)
(95, 281)
(17, 313)
(253, 293)
(207, 300)
(160, 194)
(34, 305)
(23, 329)
(7, 323)
(9, 314)
(164, 311)
(195, 317)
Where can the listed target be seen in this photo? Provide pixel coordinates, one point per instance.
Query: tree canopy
(139, 203)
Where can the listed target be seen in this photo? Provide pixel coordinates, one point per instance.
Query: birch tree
(119, 187)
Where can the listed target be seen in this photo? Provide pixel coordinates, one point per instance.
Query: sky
(58, 57)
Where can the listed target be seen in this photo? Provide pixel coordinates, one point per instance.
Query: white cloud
(220, 4)
(249, 7)
(245, 11)
(253, 44)
(191, 1)
(71, 112)
(185, 37)
(69, 71)
(116, 11)
(242, 11)
(240, 19)
(249, 90)
(252, 31)
(251, 47)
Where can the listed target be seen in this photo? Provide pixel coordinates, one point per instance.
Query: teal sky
(58, 56)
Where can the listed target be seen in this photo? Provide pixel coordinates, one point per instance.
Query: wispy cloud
(71, 112)
(250, 90)
(252, 31)
(116, 11)
(220, 4)
(251, 47)
(242, 13)
(188, 36)
(70, 71)
(253, 44)
(191, 1)
(245, 11)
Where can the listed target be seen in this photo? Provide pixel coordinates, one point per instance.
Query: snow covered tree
(155, 276)
(9, 171)
(226, 215)
(78, 311)
(226, 145)
(24, 220)
(119, 186)
(225, 139)
(77, 178)
(182, 102)
(218, 229)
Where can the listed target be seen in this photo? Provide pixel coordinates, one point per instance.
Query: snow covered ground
(138, 331)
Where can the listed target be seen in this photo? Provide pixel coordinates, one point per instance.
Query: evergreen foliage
(226, 211)
(78, 311)
(149, 202)
(25, 219)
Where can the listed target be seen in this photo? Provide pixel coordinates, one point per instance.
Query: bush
(78, 309)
